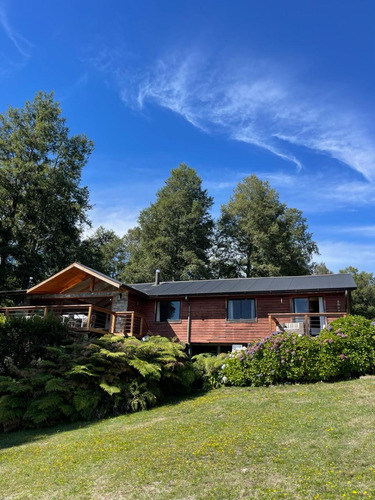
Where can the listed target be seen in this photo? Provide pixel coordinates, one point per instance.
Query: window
(168, 310)
(241, 309)
(310, 305)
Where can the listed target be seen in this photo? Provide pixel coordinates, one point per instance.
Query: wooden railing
(131, 323)
(306, 321)
(87, 317)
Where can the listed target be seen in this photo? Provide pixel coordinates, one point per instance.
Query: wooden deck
(87, 317)
(303, 323)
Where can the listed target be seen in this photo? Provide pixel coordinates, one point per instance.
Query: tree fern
(110, 389)
(56, 384)
(12, 409)
(146, 369)
(45, 408)
(85, 402)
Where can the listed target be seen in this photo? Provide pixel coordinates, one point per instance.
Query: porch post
(132, 324)
(89, 317)
(112, 323)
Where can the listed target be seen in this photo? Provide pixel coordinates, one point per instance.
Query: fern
(8, 385)
(140, 397)
(45, 408)
(114, 355)
(56, 384)
(85, 402)
(146, 369)
(110, 389)
(81, 370)
(12, 409)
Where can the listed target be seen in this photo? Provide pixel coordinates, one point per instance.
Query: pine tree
(257, 235)
(174, 233)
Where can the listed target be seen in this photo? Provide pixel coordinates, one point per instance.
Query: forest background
(44, 218)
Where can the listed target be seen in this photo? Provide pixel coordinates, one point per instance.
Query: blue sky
(282, 89)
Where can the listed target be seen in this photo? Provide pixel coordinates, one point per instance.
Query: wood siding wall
(209, 323)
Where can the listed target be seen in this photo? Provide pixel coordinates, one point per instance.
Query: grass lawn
(304, 441)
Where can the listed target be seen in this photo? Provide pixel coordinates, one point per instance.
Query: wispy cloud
(341, 254)
(364, 231)
(253, 103)
(22, 44)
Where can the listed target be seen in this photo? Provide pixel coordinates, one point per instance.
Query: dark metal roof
(312, 283)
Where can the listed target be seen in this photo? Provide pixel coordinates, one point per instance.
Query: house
(210, 315)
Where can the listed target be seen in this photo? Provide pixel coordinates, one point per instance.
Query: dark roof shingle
(311, 283)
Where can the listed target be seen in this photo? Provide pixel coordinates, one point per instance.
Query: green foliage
(105, 252)
(42, 205)
(207, 368)
(23, 341)
(320, 268)
(80, 379)
(345, 349)
(173, 233)
(363, 298)
(257, 235)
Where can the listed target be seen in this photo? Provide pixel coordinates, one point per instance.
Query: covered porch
(87, 318)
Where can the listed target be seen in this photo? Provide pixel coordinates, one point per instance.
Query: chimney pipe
(157, 277)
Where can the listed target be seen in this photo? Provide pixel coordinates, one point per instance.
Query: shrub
(208, 369)
(344, 349)
(23, 341)
(83, 379)
(347, 348)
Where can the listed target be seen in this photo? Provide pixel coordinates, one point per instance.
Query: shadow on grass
(21, 437)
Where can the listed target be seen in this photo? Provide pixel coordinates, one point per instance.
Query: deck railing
(131, 323)
(304, 323)
(86, 317)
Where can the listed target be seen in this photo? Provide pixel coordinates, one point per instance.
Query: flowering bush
(346, 348)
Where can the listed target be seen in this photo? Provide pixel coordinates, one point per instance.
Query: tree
(105, 252)
(42, 206)
(173, 234)
(363, 298)
(257, 235)
(320, 268)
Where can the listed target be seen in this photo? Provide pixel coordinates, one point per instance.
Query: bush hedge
(50, 375)
(344, 349)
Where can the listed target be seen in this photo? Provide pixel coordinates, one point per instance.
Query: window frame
(157, 311)
(241, 320)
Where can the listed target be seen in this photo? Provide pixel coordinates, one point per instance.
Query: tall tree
(174, 233)
(320, 268)
(42, 205)
(257, 235)
(105, 252)
(363, 298)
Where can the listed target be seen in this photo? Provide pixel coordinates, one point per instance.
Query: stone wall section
(120, 303)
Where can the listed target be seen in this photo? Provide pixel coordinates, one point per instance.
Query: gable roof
(71, 276)
(77, 273)
(311, 283)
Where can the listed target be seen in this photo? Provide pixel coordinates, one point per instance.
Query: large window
(310, 305)
(168, 310)
(241, 309)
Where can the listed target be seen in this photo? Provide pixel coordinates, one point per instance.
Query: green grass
(303, 441)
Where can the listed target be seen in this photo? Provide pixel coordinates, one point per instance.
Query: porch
(302, 323)
(87, 318)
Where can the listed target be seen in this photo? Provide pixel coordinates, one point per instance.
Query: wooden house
(206, 314)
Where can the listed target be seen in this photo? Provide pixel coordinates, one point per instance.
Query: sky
(280, 89)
